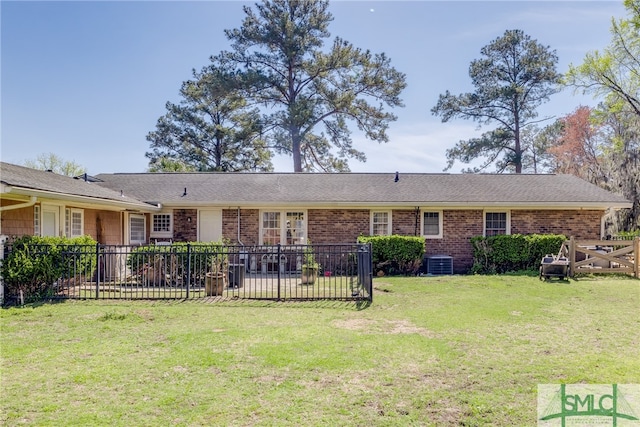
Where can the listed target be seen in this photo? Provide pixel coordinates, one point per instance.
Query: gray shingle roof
(412, 189)
(28, 181)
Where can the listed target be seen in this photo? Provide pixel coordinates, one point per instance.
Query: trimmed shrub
(515, 252)
(541, 245)
(395, 254)
(36, 263)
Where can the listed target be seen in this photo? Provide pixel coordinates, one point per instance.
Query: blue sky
(88, 80)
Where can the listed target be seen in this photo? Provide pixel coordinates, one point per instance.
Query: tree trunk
(295, 150)
(518, 146)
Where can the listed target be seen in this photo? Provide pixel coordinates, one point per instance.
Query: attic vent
(439, 264)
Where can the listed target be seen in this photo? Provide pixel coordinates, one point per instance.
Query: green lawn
(461, 350)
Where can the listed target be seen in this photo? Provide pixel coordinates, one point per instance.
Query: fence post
(3, 240)
(188, 268)
(278, 267)
(572, 256)
(370, 268)
(99, 272)
(636, 256)
(365, 269)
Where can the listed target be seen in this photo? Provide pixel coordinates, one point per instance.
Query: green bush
(36, 263)
(395, 254)
(516, 252)
(628, 235)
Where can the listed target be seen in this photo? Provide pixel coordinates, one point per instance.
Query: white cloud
(417, 148)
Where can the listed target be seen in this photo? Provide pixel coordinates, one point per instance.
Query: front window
(137, 229)
(496, 223)
(283, 227)
(161, 225)
(380, 223)
(295, 228)
(432, 224)
(36, 220)
(74, 222)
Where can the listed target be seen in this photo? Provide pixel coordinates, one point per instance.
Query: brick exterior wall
(459, 226)
(405, 223)
(579, 224)
(249, 226)
(337, 225)
(183, 230)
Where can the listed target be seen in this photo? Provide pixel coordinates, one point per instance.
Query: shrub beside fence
(394, 255)
(187, 271)
(516, 252)
(36, 263)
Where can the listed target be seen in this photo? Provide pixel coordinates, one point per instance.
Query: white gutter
(32, 201)
(128, 203)
(409, 205)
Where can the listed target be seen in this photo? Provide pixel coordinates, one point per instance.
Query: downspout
(239, 241)
(32, 201)
(242, 253)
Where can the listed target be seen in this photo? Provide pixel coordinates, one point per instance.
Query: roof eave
(402, 205)
(84, 200)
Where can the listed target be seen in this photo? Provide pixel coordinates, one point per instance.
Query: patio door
(50, 220)
(209, 225)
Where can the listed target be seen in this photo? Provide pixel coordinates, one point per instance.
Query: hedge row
(395, 254)
(515, 252)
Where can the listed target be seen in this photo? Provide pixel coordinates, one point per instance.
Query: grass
(461, 350)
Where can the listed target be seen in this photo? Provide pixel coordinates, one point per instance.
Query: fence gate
(603, 256)
(210, 270)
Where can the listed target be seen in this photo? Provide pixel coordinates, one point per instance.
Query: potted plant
(309, 266)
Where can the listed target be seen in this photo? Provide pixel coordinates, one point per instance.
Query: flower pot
(309, 275)
(214, 283)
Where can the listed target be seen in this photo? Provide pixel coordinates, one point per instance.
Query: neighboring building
(288, 208)
(42, 203)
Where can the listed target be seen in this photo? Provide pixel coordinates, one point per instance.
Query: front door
(50, 220)
(210, 225)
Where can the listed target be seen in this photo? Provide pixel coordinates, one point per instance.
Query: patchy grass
(460, 350)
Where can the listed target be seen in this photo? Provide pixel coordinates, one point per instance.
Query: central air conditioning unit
(439, 265)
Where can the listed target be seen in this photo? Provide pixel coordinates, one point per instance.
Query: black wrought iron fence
(209, 270)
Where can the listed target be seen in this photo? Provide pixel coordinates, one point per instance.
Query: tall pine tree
(515, 75)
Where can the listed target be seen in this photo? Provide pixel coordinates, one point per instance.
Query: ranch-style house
(294, 208)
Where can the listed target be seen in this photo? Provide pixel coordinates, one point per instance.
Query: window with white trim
(36, 220)
(295, 228)
(74, 222)
(380, 223)
(162, 225)
(496, 223)
(432, 224)
(137, 229)
(283, 227)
